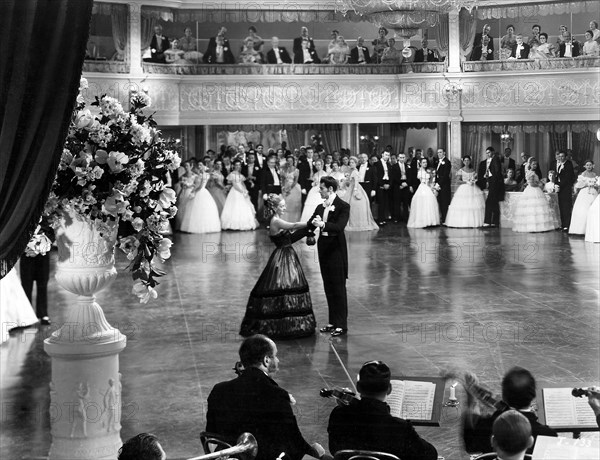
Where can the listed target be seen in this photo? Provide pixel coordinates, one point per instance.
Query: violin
(478, 391)
(343, 396)
(238, 368)
(581, 392)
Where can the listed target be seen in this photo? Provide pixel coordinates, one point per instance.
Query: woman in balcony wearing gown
(280, 305)
(238, 212)
(201, 214)
(590, 46)
(467, 208)
(361, 217)
(543, 50)
(424, 208)
(216, 185)
(507, 42)
(510, 184)
(189, 45)
(186, 184)
(586, 194)
(249, 55)
(174, 55)
(532, 212)
(313, 199)
(290, 189)
(340, 53)
(379, 45)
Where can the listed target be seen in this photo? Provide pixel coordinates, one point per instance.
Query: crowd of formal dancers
(227, 191)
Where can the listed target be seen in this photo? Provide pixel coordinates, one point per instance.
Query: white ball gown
(361, 217)
(201, 214)
(15, 308)
(424, 208)
(533, 212)
(292, 194)
(216, 187)
(592, 226)
(467, 209)
(586, 196)
(187, 184)
(342, 179)
(313, 199)
(238, 212)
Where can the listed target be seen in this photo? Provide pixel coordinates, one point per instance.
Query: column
(350, 137)
(135, 39)
(442, 136)
(210, 140)
(454, 147)
(454, 50)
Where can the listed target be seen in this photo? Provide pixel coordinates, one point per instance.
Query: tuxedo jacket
(158, 51)
(478, 42)
(299, 57)
(442, 174)
(477, 53)
(305, 172)
(298, 45)
(370, 182)
(210, 56)
(523, 54)
(380, 172)
(354, 55)
(420, 57)
(268, 182)
(283, 54)
(254, 403)
(495, 183)
(256, 172)
(509, 164)
(574, 50)
(566, 177)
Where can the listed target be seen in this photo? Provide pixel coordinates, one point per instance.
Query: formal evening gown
(341, 179)
(532, 212)
(216, 187)
(592, 226)
(313, 198)
(238, 212)
(467, 208)
(361, 217)
(201, 214)
(586, 196)
(15, 308)
(280, 305)
(292, 194)
(424, 208)
(187, 185)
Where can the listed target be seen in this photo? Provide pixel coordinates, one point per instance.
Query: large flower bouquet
(115, 168)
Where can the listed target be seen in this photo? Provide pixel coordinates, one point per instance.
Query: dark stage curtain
(42, 47)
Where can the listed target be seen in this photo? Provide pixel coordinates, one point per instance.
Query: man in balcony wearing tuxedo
(219, 50)
(507, 161)
(278, 54)
(297, 49)
(483, 52)
(426, 54)
(360, 54)
(158, 45)
(520, 50)
(479, 37)
(306, 55)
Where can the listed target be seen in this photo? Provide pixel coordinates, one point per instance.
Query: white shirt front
(518, 52)
(488, 173)
(275, 176)
(362, 170)
(403, 170)
(277, 56)
(361, 54)
(306, 55)
(385, 170)
(327, 205)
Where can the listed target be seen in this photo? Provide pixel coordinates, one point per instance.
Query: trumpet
(245, 449)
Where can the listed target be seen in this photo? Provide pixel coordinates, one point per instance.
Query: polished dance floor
(421, 300)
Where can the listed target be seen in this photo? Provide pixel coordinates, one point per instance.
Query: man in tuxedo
(331, 217)
(383, 188)
(158, 45)
(297, 48)
(36, 269)
(219, 50)
(520, 50)
(260, 156)
(483, 52)
(278, 54)
(394, 174)
(366, 175)
(305, 172)
(401, 173)
(568, 47)
(254, 403)
(360, 54)
(227, 166)
(305, 55)
(425, 54)
(479, 37)
(270, 178)
(508, 162)
(252, 172)
(443, 179)
(565, 178)
(489, 175)
(366, 423)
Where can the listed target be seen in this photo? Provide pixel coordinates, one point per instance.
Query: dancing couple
(280, 305)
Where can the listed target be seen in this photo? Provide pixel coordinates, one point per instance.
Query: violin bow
(343, 367)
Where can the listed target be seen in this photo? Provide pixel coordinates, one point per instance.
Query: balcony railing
(292, 69)
(531, 64)
(105, 66)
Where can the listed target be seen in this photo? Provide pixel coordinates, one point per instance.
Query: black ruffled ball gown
(279, 305)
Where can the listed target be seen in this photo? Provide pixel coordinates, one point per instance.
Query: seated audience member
(534, 40)
(306, 55)
(518, 392)
(391, 55)
(142, 446)
(544, 49)
(507, 162)
(331, 45)
(256, 40)
(568, 47)
(425, 54)
(254, 403)
(550, 185)
(278, 54)
(510, 184)
(520, 50)
(297, 48)
(220, 53)
(158, 45)
(360, 54)
(595, 31)
(594, 402)
(590, 46)
(189, 45)
(366, 423)
(511, 436)
(483, 52)
(507, 42)
(249, 55)
(340, 53)
(174, 55)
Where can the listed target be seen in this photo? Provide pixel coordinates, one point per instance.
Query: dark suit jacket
(524, 54)
(419, 57)
(367, 424)
(477, 438)
(495, 183)
(566, 177)
(354, 55)
(395, 176)
(210, 56)
(476, 54)
(305, 172)
(442, 175)
(253, 402)
(256, 172)
(477, 42)
(380, 172)
(510, 164)
(299, 57)
(283, 54)
(158, 52)
(370, 182)
(574, 50)
(267, 183)
(298, 45)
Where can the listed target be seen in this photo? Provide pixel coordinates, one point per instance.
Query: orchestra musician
(511, 435)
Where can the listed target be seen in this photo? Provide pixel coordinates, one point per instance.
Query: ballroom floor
(421, 300)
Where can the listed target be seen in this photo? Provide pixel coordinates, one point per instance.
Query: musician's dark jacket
(367, 424)
(254, 403)
(477, 437)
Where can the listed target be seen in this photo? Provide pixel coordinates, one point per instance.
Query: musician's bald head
(259, 351)
(518, 388)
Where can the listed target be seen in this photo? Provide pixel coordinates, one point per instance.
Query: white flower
(144, 293)
(101, 157)
(116, 160)
(331, 208)
(140, 134)
(129, 245)
(83, 84)
(137, 224)
(84, 119)
(167, 197)
(111, 107)
(164, 248)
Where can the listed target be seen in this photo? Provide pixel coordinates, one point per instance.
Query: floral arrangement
(115, 168)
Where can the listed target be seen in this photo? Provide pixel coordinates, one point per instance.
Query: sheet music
(563, 409)
(551, 448)
(411, 400)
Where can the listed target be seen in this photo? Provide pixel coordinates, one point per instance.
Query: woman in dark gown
(279, 305)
